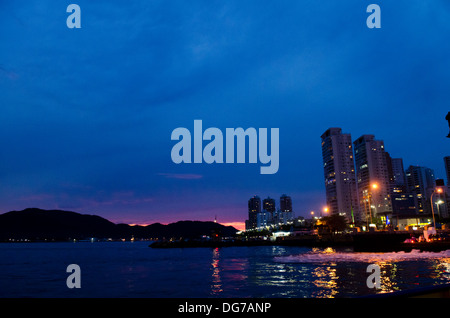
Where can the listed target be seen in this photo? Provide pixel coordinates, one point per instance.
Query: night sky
(87, 114)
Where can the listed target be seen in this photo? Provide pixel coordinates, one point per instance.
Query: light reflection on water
(216, 286)
(326, 281)
(134, 270)
(399, 270)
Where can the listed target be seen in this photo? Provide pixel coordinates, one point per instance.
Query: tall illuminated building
(339, 174)
(285, 203)
(421, 182)
(373, 178)
(269, 205)
(284, 215)
(403, 204)
(398, 172)
(254, 207)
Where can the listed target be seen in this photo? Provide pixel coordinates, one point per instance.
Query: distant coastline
(34, 224)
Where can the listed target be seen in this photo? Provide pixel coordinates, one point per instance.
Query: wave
(332, 256)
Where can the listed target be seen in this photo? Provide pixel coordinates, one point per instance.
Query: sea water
(132, 269)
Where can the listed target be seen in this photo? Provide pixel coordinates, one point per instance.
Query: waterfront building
(403, 205)
(339, 174)
(421, 183)
(284, 215)
(285, 203)
(269, 204)
(254, 207)
(264, 219)
(372, 178)
(398, 172)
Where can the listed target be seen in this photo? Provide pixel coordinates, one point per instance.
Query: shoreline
(359, 242)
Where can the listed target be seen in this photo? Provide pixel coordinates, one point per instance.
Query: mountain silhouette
(56, 225)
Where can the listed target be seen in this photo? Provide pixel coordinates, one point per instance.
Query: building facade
(421, 183)
(254, 207)
(285, 203)
(398, 172)
(264, 219)
(269, 205)
(339, 174)
(372, 178)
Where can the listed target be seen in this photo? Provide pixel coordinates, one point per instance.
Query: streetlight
(439, 210)
(437, 190)
(325, 210)
(374, 186)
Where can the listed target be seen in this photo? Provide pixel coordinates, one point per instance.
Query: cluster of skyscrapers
(364, 184)
(267, 215)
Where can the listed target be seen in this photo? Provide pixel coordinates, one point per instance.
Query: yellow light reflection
(216, 285)
(326, 277)
(441, 270)
(389, 279)
(326, 281)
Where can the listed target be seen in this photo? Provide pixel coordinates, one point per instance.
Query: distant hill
(38, 224)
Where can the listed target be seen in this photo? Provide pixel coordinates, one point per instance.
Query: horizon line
(236, 225)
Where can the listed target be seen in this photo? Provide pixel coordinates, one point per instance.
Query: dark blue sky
(87, 113)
